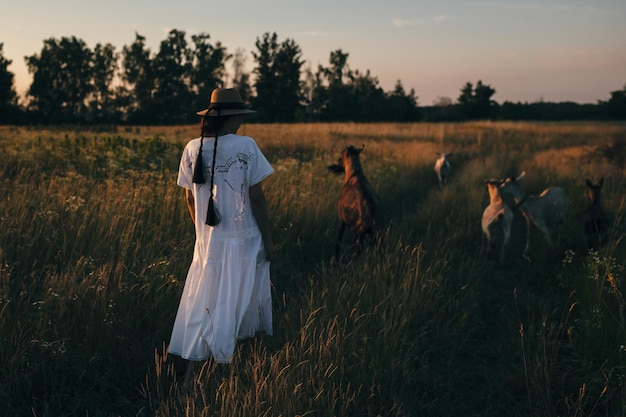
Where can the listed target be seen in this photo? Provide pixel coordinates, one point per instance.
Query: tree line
(72, 83)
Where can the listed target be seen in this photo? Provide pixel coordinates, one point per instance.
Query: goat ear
(601, 182)
(588, 182)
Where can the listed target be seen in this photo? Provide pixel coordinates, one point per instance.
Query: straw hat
(227, 101)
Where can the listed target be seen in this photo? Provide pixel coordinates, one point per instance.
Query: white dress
(227, 292)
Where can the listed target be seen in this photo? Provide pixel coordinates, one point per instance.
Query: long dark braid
(213, 216)
(198, 170)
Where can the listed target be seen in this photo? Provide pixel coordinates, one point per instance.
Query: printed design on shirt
(234, 174)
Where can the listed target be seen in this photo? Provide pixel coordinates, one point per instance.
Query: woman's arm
(191, 204)
(259, 210)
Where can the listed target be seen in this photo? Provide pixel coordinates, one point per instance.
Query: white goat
(497, 218)
(545, 211)
(442, 168)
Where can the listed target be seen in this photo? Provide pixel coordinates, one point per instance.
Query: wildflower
(73, 203)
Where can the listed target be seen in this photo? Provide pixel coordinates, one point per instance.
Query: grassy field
(95, 242)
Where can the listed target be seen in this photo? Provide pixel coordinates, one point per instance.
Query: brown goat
(358, 204)
(596, 221)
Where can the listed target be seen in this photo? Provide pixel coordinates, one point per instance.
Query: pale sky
(551, 50)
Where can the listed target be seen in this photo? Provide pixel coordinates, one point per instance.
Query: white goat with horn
(497, 218)
(545, 211)
(442, 168)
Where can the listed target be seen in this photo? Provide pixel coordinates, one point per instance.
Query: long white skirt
(226, 297)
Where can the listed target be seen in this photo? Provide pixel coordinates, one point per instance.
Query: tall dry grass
(95, 242)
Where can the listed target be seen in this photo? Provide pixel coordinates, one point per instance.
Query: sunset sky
(567, 50)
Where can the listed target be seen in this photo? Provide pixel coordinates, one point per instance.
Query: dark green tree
(400, 106)
(334, 95)
(339, 103)
(172, 67)
(475, 102)
(339, 72)
(102, 105)
(171, 85)
(442, 110)
(341, 94)
(241, 78)
(466, 100)
(61, 80)
(208, 69)
(136, 97)
(616, 106)
(278, 96)
(9, 109)
(367, 101)
(288, 67)
(313, 94)
(482, 96)
(266, 78)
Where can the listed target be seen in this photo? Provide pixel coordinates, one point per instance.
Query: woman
(227, 292)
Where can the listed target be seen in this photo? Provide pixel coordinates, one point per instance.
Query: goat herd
(359, 209)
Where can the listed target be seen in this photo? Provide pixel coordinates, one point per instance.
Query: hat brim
(225, 112)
